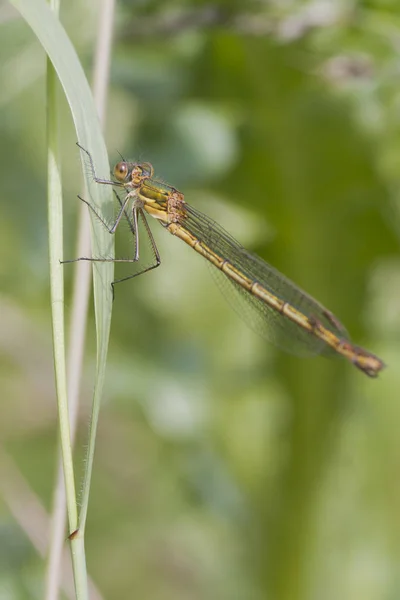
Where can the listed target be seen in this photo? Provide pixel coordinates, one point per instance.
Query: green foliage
(225, 468)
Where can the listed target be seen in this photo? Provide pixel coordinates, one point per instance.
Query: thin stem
(54, 192)
(100, 87)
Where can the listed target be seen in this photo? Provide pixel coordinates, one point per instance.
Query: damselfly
(274, 306)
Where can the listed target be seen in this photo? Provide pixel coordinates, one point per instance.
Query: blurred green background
(224, 468)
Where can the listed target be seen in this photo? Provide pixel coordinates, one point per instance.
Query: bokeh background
(224, 468)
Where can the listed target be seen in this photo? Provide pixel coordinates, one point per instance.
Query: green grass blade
(70, 73)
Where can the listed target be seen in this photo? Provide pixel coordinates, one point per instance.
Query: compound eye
(121, 171)
(147, 169)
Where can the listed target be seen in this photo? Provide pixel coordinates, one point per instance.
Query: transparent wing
(261, 317)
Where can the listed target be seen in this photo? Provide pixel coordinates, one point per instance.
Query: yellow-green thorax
(159, 200)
